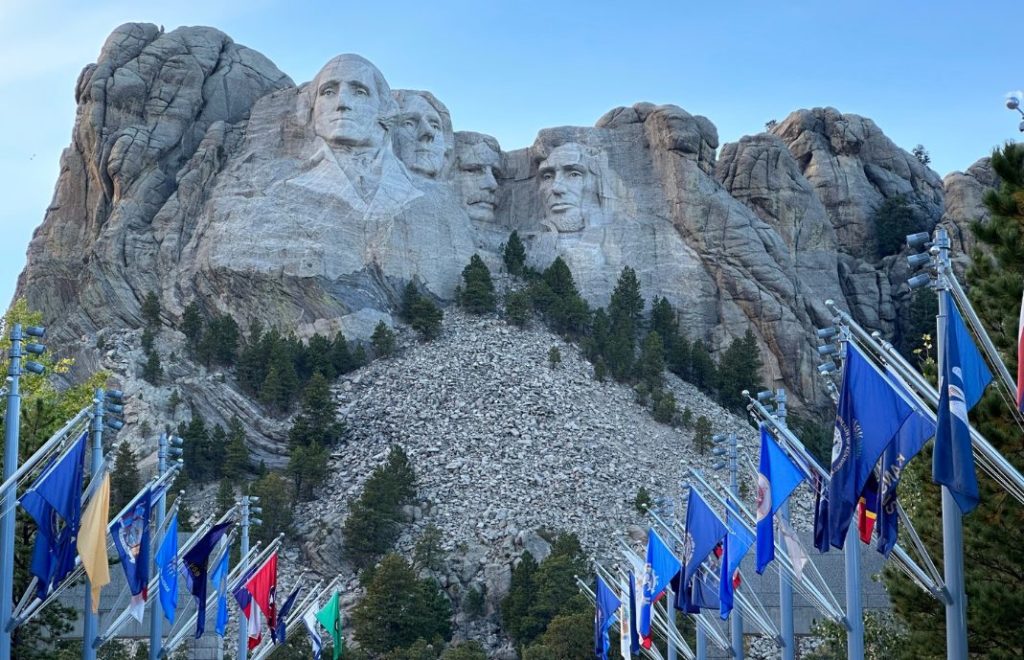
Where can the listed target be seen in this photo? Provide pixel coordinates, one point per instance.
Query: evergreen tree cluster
(421, 313)
(153, 370)
(374, 518)
(476, 295)
(894, 220)
(314, 432)
(993, 533)
(211, 341)
(211, 454)
(275, 368)
(544, 613)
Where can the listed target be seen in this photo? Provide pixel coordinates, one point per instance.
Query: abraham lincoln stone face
(568, 188)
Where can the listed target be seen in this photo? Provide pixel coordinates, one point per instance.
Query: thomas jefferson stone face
(420, 139)
(347, 104)
(476, 179)
(566, 184)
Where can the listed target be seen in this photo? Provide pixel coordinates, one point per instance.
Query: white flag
(797, 554)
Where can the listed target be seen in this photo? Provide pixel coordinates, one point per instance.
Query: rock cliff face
(201, 172)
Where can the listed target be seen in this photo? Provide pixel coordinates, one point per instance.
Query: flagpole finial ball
(829, 302)
(745, 393)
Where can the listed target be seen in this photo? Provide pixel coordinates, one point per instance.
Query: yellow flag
(92, 540)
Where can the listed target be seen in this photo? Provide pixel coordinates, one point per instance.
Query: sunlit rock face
(199, 171)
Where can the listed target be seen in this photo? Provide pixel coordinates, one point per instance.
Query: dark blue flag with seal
(55, 502)
(605, 606)
(962, 381)
(279, 634)
(196, 564)
(703, 532)
(868, 417)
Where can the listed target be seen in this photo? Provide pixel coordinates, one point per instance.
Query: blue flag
(55, 502)
(963, 380)
(821, 530)
(131, 539)
(659, 570)
(737, 544)
(703, 532)
(777, 478)
(279, 634)
(220, 578)
(869, 415)
(167, 565)
(196, 563)
(605, 607)
(911, 438)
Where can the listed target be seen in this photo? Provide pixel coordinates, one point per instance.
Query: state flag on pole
(196, 562)
(869, 415)
(737, 544)
(962, 381)
(315, 641)
(55, 502)
(777, 478)
(821, 530)
(92, 540)
(634, 615)
(263, 587)
(167, 566)
(279, 633)
(329, 617)
(659, 570)
(219, 578)
(130, 533)
(605, 605)
(703, 533)
(251, 613)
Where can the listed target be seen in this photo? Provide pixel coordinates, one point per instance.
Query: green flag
(329, 617)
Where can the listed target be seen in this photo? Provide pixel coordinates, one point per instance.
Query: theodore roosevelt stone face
(349, 103)
(477, 159)
(567, 187)
(423, 133)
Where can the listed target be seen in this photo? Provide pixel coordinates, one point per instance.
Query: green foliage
(651, 365)
(399, 609)
(421, 313)
(151, 310)
(317, 421)
(600, 370)
(273, 491)
(517, 308)
(383, 340)
(125, 480)
(894, 220)
(643, 500)
(203, 453)
(473, 602)
(153, 371)
(427, 554)
(558, 301)
(665, 408)
(372, 526)
(554, 357)
(478, 291)
(816, 434)
(739, 369)
(884, 637)
(410, 295)
(539, 593)
(307, 466)
(702, 435)
(148, 336)
(421, 649)
(626, 307)
(994, 532)
(921, 154)
(225, 496)
(687, 417)
(192, 323)
(702, 367)
(569, 636)
(641, 392)
(514, 254)
(471, 650)
(236, 453)
(924, 305)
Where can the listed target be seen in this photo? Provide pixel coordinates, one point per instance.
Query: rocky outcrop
(964, 193)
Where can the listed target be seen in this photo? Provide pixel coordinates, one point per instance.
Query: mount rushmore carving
(310, 207)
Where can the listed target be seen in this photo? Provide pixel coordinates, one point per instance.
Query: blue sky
(933, 73)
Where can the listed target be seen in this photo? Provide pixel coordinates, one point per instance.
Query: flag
(263, 587)
(737, 544)
(911, 438)
(220, 578)
(167, 563)
(329, 617)
(777, 478)
(196, 564)
(625, 629)
(606, 603)
(962, 381)
(867, 508)
(279, 633)
(658, 572)
(795, 549)
(315, 641)
(131, 540)
(253, 618)
(55, 502)
(868, 417)
(1020, 358)
(821, 531)
(634, 616)
(703, 532)
(92, 540)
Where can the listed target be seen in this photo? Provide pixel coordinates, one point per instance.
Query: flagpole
(785, 586)
(156, 613)
(854, 612)
(89, 623)
(952, 517)
(243, 632)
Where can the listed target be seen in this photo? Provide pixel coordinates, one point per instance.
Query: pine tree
(151, 310)
(307, 466)
(372, 525)
(738, 370)
(196, 449)
(225, 496)
(383, 340)
(192, 323)
(651, 365)
(426, 318)
(236, 454)
(341, 356)
(478, 291)
(554, 357)
(702, 434)
(410, 296)
(702, 367)
(153, 371)
(627, 305)
(319, 358)
(517, 308)
(276, 502)
(125, 480)
(317, 421)
(514, 255)
(148, 336)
